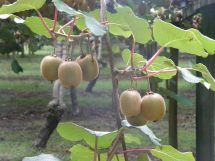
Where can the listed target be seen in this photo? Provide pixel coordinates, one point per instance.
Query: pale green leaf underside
(21, 5)
(207, 79)
(168, 153)
(15, 18)
(73, 132)
(184, 40)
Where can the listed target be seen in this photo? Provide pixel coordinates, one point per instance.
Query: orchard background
(25, 94)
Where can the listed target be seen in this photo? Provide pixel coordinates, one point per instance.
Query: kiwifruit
(89, 67)
(130, 101)
(153, 107)
(138, 120)
(70, 74)
(49, 67)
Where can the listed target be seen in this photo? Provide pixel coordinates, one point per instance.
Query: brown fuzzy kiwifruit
(89, 67)
(138, 120)
(70, 74)
(130, 101)
(49, 67)
(153, 107)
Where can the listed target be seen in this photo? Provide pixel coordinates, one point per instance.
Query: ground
(23, 110)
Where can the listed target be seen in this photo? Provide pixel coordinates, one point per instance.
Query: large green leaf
(73, 132)
(82, 153)
(93, 25)
(145, 130)
(184, 40)
(207, 43)
(63, 7)
(21, 5)
(168, 153)
(138, 26)
(36, 26)
(117, 25)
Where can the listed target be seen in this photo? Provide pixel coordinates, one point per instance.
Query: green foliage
(16, 66)
(92, 24)
(184, 40)
(82, 153)
(161, 63)
(168, 153)
(73, 132)
(35, 25)
(207, 79)
(139, 27)
(21, 5)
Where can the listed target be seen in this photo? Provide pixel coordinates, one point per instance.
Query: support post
(173, 106)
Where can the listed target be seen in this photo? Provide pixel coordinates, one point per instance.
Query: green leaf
(145, 130)
(143, 157)
(138, 26)
(205, 74)
(179, 98)
(73, 132)
(132, 139)
(168, 153)
(82, 153)
(163, 63)
(207, 43)
(22, 5)
(63, 7)
(117, 25)
(16, 66)
(36, 26)
(138, 59)
(93, 25)
(207, 79)
(184, 40)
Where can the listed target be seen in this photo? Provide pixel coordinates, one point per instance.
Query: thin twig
(136, 151)
(71, 27)
(45, 25)
(55, 19)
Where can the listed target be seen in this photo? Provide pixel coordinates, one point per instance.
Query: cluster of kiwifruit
(139, 111)
(70, 73)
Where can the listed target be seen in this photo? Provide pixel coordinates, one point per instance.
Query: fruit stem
(45, 24)
(155, 73)
(55, 19)
(71, 27)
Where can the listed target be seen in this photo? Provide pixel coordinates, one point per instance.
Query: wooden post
(172, 85)
(205, 99)
(205, 117)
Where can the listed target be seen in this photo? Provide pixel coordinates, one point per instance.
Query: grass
(29, 92)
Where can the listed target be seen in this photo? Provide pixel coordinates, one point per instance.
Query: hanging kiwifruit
(89, 66)
(49, 67)
(138, 120)
(130, 101)
(70, 74)
(153, 107)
